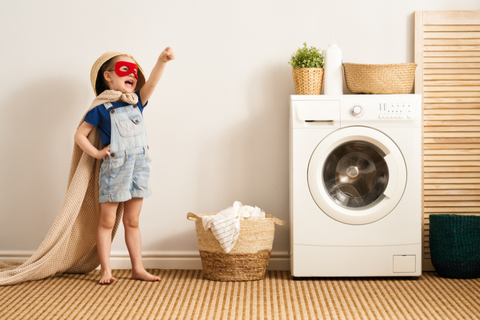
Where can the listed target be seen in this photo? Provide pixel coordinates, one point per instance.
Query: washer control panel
(378, 110)
(395, 110)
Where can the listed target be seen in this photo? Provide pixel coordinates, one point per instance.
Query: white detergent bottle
(333, 70)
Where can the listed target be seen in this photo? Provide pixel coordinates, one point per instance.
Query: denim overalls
(125, 174)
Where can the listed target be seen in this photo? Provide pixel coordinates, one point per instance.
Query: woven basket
(455, 245)
(307, 80)
(248, 260)
(380, 78)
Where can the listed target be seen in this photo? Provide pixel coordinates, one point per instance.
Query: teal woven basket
(455, 245)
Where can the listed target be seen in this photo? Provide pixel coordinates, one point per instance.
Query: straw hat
(104, 58)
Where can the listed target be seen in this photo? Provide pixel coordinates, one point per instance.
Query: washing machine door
(357, 175)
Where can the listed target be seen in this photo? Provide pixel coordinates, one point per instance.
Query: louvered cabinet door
(447, 51)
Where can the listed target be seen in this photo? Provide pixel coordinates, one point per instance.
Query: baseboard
(189, 260)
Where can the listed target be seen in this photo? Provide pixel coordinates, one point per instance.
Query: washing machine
(355, 186)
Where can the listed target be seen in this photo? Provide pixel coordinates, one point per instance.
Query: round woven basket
(455, 245)
(307, 80)
(380, 78)
(248, 260)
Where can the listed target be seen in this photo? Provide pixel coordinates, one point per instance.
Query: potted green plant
(307, 70)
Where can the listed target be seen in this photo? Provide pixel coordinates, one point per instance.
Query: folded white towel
(225, 225)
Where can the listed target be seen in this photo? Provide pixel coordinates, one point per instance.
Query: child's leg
(133, 239)
(108, 213)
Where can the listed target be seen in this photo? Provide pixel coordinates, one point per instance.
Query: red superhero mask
(128, 68)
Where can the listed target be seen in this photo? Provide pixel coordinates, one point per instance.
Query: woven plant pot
(380, 78)
(307, 80)
(248, 260)
(455, 245)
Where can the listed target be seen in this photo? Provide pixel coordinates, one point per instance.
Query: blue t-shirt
(99, 117)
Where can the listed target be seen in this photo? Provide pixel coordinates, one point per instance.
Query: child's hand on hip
(103, 153)
(167, 55)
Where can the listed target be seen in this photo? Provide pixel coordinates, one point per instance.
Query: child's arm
(82, 141)
(149, 86)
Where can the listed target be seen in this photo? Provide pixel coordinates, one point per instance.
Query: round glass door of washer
(357, 175)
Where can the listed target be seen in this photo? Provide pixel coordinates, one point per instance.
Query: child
(125, 170)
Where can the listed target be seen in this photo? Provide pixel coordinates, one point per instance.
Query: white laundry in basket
(225, 225)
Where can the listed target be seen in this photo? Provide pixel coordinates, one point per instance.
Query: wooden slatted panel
(447, 51)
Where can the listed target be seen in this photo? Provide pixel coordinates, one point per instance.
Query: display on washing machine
(356, 175)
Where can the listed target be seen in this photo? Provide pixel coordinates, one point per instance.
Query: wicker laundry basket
(380, 78)
(307, 80)
(248, 260)
(455, 245)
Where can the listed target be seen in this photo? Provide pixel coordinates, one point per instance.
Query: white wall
(217, 124)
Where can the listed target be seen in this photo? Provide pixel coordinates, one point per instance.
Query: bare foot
(144, 275)
(106, 277)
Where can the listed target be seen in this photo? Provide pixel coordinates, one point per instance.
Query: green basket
(455, 245)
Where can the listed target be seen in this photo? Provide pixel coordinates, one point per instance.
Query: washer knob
(356, 110)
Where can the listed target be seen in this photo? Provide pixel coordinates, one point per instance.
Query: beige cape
(70, 245)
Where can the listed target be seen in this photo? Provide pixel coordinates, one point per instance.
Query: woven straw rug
(183, 294)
